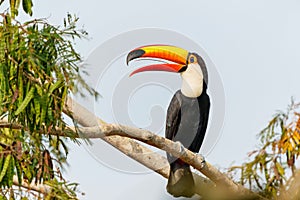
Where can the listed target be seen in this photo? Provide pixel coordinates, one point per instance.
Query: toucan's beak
(171, 53)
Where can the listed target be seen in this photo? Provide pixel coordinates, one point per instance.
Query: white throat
(192, 81)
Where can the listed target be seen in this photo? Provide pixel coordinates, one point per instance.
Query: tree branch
(98, 129)
(131, 148)
(40, 188)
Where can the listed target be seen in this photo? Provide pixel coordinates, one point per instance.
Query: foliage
(61, 190)
(272, 164)
(38, 68)
(15, 4)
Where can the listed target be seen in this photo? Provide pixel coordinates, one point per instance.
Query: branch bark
(121, 137)
(40, 188)
(131, 148)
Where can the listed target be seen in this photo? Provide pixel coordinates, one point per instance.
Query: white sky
(253, 44)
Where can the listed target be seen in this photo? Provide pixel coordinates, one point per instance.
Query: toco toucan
(188, 112)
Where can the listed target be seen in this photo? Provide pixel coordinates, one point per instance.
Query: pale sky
(254, 46)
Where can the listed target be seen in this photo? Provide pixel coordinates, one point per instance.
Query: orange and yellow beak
(171, 53)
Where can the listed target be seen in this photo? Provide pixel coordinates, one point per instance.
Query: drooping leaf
(27, 6)
(25, 102)
(5, 166)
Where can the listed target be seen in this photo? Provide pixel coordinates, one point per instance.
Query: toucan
(188, 111)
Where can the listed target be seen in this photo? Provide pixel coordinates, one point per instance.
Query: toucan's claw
(201, 157)
(180, 147)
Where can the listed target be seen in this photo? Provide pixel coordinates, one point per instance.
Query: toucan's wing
(173, 117)
(204, 106)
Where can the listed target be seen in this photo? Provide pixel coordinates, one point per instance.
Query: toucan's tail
(180, 182)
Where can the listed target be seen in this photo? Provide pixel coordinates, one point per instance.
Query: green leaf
(280, 169)
(5, 166)
(27, 6)
(27, 99)
(44, 108)
(1, 161)
(27, 173)
(19, 171)
(2, 197)
(54, 86)
(12, 7)
(10, 172)
(39, 90)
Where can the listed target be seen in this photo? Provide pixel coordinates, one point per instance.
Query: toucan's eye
(192, 59)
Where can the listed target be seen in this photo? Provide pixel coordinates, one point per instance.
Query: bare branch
(111, 133)
(4, 124)
(40, 188)
(131, 148)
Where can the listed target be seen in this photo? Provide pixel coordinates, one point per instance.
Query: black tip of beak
(134, 54)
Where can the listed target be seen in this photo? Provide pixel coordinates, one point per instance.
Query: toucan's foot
(180, 146)
(201, 157)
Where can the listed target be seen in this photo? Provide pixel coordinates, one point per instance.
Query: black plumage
(186, 122)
